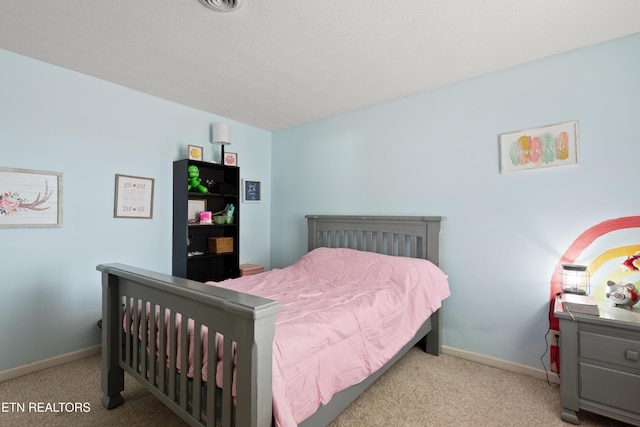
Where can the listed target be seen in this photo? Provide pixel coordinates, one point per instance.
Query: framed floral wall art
(30, 198)
(195, 152)
(230, 159)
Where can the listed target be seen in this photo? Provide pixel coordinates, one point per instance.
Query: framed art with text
(541, 147)
(251, 190)
(134, 197)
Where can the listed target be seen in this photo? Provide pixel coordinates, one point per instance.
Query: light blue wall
(437, 154)
(56, 120)
(431, 154)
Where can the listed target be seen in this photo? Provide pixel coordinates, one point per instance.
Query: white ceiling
(280, 63)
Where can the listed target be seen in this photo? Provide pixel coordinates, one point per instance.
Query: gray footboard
(244, 320)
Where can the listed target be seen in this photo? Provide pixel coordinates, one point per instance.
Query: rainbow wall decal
(585, 240)
(603, 267)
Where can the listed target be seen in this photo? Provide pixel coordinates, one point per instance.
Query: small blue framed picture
(251, 190)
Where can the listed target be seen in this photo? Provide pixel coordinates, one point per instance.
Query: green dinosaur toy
(195, 180)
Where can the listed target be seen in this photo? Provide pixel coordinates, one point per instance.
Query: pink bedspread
(344, 313)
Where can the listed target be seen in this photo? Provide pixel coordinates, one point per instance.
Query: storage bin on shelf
(220, 245)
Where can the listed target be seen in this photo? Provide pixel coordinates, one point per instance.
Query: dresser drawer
(614, 388)
(610, 349)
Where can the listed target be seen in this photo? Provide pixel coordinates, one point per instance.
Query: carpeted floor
(420, 390)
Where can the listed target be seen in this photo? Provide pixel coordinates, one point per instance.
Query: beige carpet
(420, 390)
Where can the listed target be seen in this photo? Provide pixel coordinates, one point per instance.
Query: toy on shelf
(622, 294)
(195, 180)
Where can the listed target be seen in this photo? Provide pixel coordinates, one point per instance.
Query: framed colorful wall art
(542, 147)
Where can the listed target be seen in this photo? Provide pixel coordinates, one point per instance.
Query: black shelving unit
(223, 183)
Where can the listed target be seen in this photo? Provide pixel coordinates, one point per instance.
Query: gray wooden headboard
(412, 236)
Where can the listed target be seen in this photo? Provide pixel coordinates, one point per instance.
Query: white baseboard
(48, 363)
(502, 364)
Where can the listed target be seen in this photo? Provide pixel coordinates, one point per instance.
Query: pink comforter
(344, 313)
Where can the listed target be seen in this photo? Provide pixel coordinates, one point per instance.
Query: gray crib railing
(142, 298)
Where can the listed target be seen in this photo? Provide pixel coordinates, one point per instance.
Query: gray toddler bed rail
(247, 323)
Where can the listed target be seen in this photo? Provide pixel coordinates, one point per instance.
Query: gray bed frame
(246, 320)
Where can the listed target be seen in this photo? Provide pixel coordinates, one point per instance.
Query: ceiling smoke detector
(222, 5)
